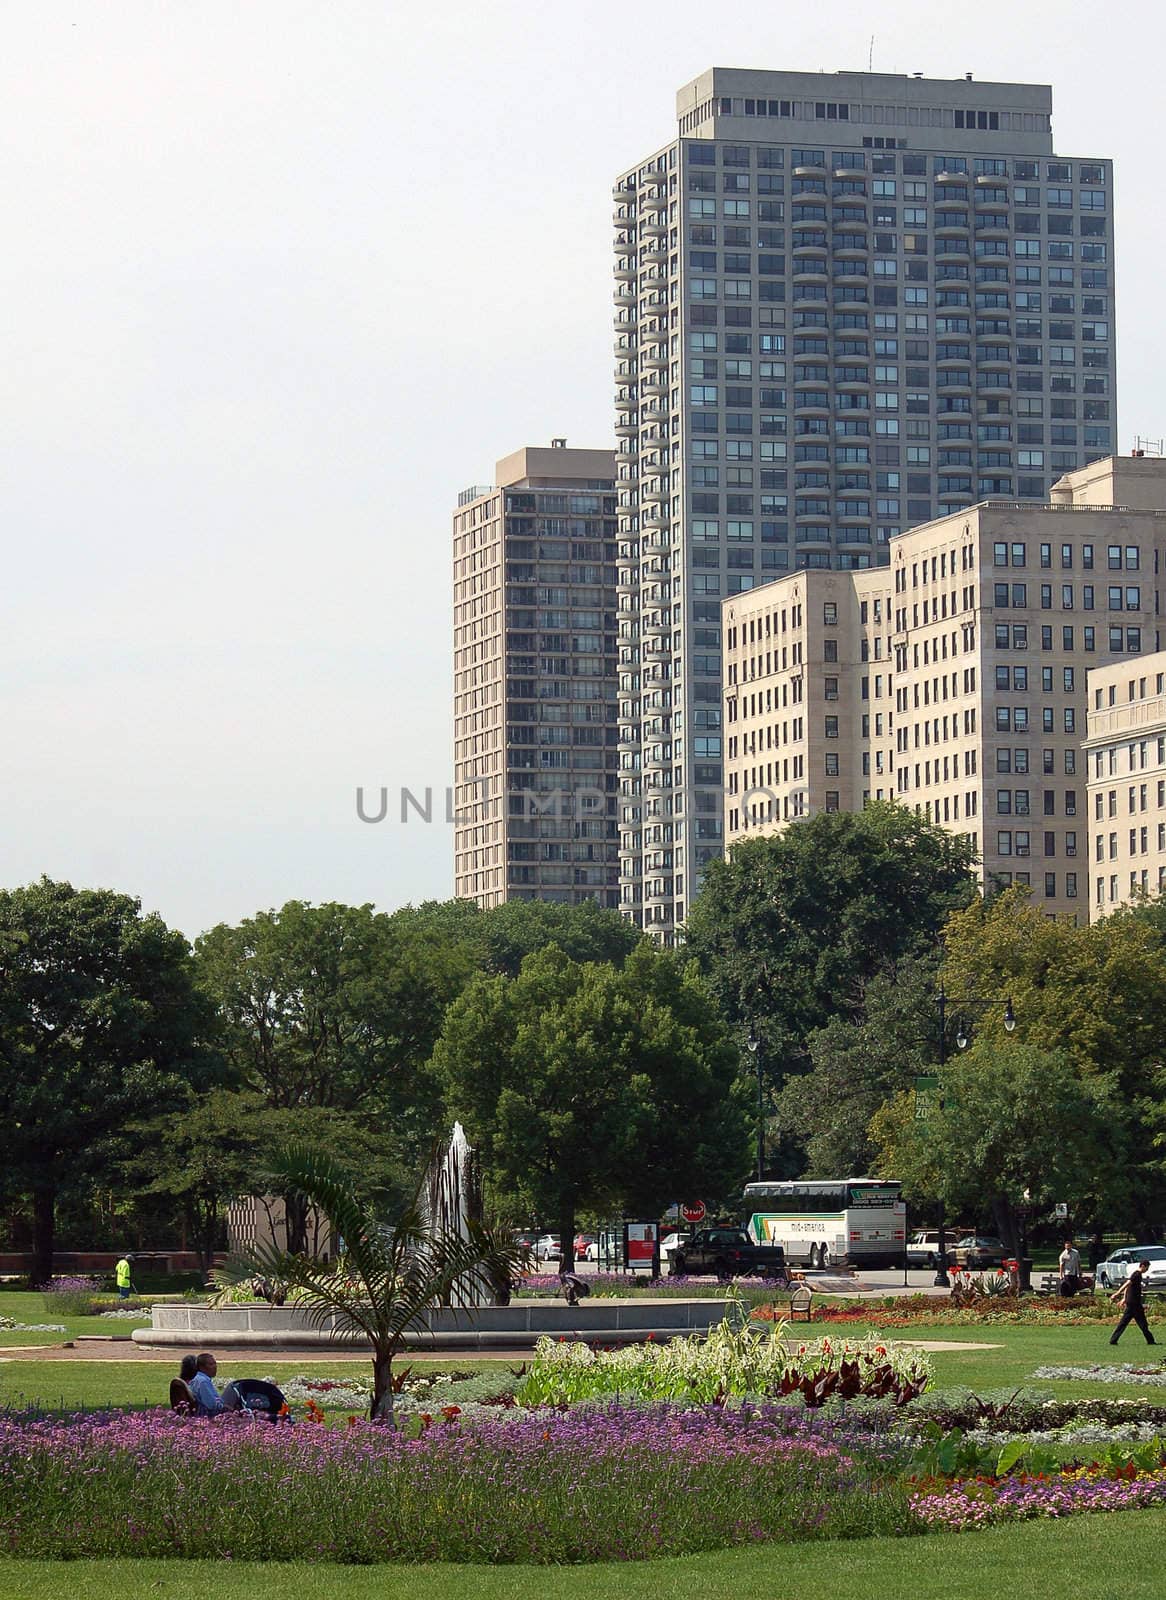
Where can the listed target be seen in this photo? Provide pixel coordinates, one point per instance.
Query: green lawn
(69, 1384)
(26, 1306)
(1093, 1558)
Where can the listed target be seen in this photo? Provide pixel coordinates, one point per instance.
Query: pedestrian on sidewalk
(1132, 1296)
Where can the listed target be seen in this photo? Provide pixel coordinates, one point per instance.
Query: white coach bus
(830, 1221)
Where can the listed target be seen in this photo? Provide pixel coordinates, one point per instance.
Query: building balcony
(654, 358)
(625, 271)
(653, 230)
(654, 516)
(653, 250)
(624, 190)
(625, 400)
(654, 181)
(817, 170)
(849, 252)
(626, 425)
(654, 201)
(952, 177)
(623, 242)
(625, 295)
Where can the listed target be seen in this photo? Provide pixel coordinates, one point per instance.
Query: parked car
(978, 1251)
(729, 1253)
(548, 1248)
(1111, 1274)
(668, 1244)
(923, 1248)
(586, 1247)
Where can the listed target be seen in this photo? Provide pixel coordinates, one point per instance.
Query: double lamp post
(962, 1039)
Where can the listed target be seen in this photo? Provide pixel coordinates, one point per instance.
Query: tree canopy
(584, 1085)
(1010, 1121)
(100, 1022)
(790, 927)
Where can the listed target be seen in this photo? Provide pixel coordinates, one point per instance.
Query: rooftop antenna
(870, 55)
(1149, 447)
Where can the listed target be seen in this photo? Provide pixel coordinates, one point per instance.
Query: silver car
(1113, 1273)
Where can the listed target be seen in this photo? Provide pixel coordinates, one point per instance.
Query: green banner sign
(926, 1098)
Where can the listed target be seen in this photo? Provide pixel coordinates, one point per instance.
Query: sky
(277, 281)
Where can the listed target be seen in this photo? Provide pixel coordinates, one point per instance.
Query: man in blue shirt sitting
(202, 1386)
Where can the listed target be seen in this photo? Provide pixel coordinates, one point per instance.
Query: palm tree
(389, 1275)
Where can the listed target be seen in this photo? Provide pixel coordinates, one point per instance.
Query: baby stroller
(258, 1397)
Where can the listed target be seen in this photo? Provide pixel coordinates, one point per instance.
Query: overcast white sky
(277, 280)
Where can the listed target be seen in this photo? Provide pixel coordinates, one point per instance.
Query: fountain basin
(516, 1326)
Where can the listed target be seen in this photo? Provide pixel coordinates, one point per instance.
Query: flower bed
(605, 1483)
(730, 1361)
(1151, 1374)
(931, 1311)
(978, 1503)
(10, 1325)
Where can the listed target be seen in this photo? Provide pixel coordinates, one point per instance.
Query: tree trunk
(567, 1236)
(1006, 1226)
(296, 1218)
(381, 1409)
(44, 1222)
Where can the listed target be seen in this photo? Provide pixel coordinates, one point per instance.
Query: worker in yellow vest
(123, 1276)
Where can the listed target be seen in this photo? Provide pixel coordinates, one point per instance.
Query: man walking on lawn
(1131, 1294)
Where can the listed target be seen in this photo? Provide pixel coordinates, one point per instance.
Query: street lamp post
(754, 1046)
(962, 1039)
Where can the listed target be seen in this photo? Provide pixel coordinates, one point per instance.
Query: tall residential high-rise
(845, 304)
(955, 681)
(535, 757)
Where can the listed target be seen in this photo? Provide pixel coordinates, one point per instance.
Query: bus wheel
(814, 1257)
(824, 1256)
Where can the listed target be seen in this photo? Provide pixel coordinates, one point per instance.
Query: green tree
(856, 1064)
(589, 1087)
(1094, 994)
(100, 1021)
(518, 928)
(217, 1148)
(395, 1265)
(1011, 1119)
(791, 926)
(337, 1007)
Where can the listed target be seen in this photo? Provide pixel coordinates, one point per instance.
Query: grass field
(1115, 1557)
(1018, 1352)
(1099, 1557)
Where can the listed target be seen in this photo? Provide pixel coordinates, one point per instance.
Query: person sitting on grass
(202, 1385)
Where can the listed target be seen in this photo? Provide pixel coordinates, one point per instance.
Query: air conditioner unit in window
(1022, 849)
(1070, 849)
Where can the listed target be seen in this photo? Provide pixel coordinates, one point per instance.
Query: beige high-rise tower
(535, 758)
(845, 304)
(954, 680)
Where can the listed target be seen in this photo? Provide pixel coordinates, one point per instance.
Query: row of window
(1016, 595)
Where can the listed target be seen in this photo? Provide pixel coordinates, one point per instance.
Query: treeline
(144, 1082)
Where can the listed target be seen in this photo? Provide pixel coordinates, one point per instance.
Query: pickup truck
(728, 1252)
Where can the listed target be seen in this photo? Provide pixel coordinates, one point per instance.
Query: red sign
(695, 1212)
